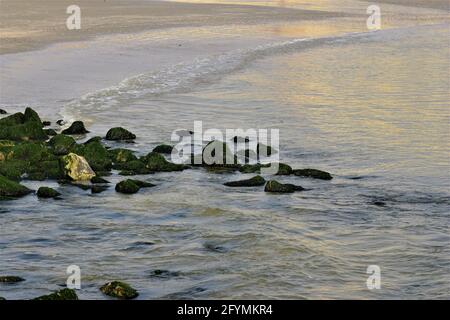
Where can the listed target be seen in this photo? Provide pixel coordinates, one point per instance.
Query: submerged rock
(118, 134)
(163, 148)
(11, 279)
(157, 163)
(97, 179)
(64, 294)
(76, 167)
(253, 182)
(76, 128)
(120, 290)
(9, 188)
(45, 192)
(130, 186)
(284, 169)
(164, 274)
(253, 168)
(313, 173)
(98, 189)
(3, 111)
(276, 187)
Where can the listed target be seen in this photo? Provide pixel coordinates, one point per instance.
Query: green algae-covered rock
(313, 173)
(163, 148)
(276, 187)
(64, 294)
(22, 127)
(12, 189)
(96, 155)
(118, 134)
(50, 132)
(157, 163)
(253, 168)
(11, 279)
(121, 155)
(284, 169)
(46, 193)
(76, 128)
(120, 290)
(127, 187)
(133, 167)
(76, 167)
(31, 116)
(61, 144)
(12, 120)
(253, 182)
(97, 179)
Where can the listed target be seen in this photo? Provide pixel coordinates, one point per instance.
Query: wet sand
(27, 25)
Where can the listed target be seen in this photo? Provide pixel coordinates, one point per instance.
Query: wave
(184, 77)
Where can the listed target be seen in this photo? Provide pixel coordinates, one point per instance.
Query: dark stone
(313, 173)
(45, 192)
(284, 169)
(163, 148)
(143, 184)
(157, 163)
(120, 290)
(127, 187)
(46, 123)
(164, 274)
(31, 116)
(60, 122)
(61, 144)
(118, 134)
(93, 139)
(379, 203)
(98, 189)
(22, 127)
(253, 168)
(64, 294)
(76, 128)
(253, 182)
(3, 111)
(97, 179)
(241, 139)
(12, 189)
(11, 279)
(121, 155)
(276, 187)
(50, 132)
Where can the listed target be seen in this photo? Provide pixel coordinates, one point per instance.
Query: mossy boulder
(133, 167)
(12, 189)
(22, 127)
(119, 134)
(76, 128)
(253, 182)
(76, 167)
(130, 186)
(96, 155)
(157, 163)
(163, 148)
(46, 193)
(253, 168)
(284, 169)
(121, 155)
(120, 290)
(61, 144)
(11, 279)
(50, 132)
(276, 187)
(313, 173)
(64, 294)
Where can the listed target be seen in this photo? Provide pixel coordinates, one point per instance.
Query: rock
(284, 169)
(45, 192)
(61, 144)
(120, 290)
(379, 203)
(76, 167)
(274, 186)
(264, 150)
(17, 128)
(94, 139)
(31, 116)
(130, 186)
(223, 158)
(64, 294)
(121, 155)
(313, 173)
(12, 189)
(118, 134)
(97, 179)
(60, 122)
(96, 155)
(133, 167)
(50, 132)
(253, 182)
(237, 139)
(98, 189)
(157, 163)
(11, 279)
(1, 298)
(76, 128)
(127, 187)
(46, 123)
(164, 274)
(163, 148)
(253, 168)
(3, 111)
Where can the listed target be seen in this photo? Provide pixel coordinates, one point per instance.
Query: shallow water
(371, 108)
